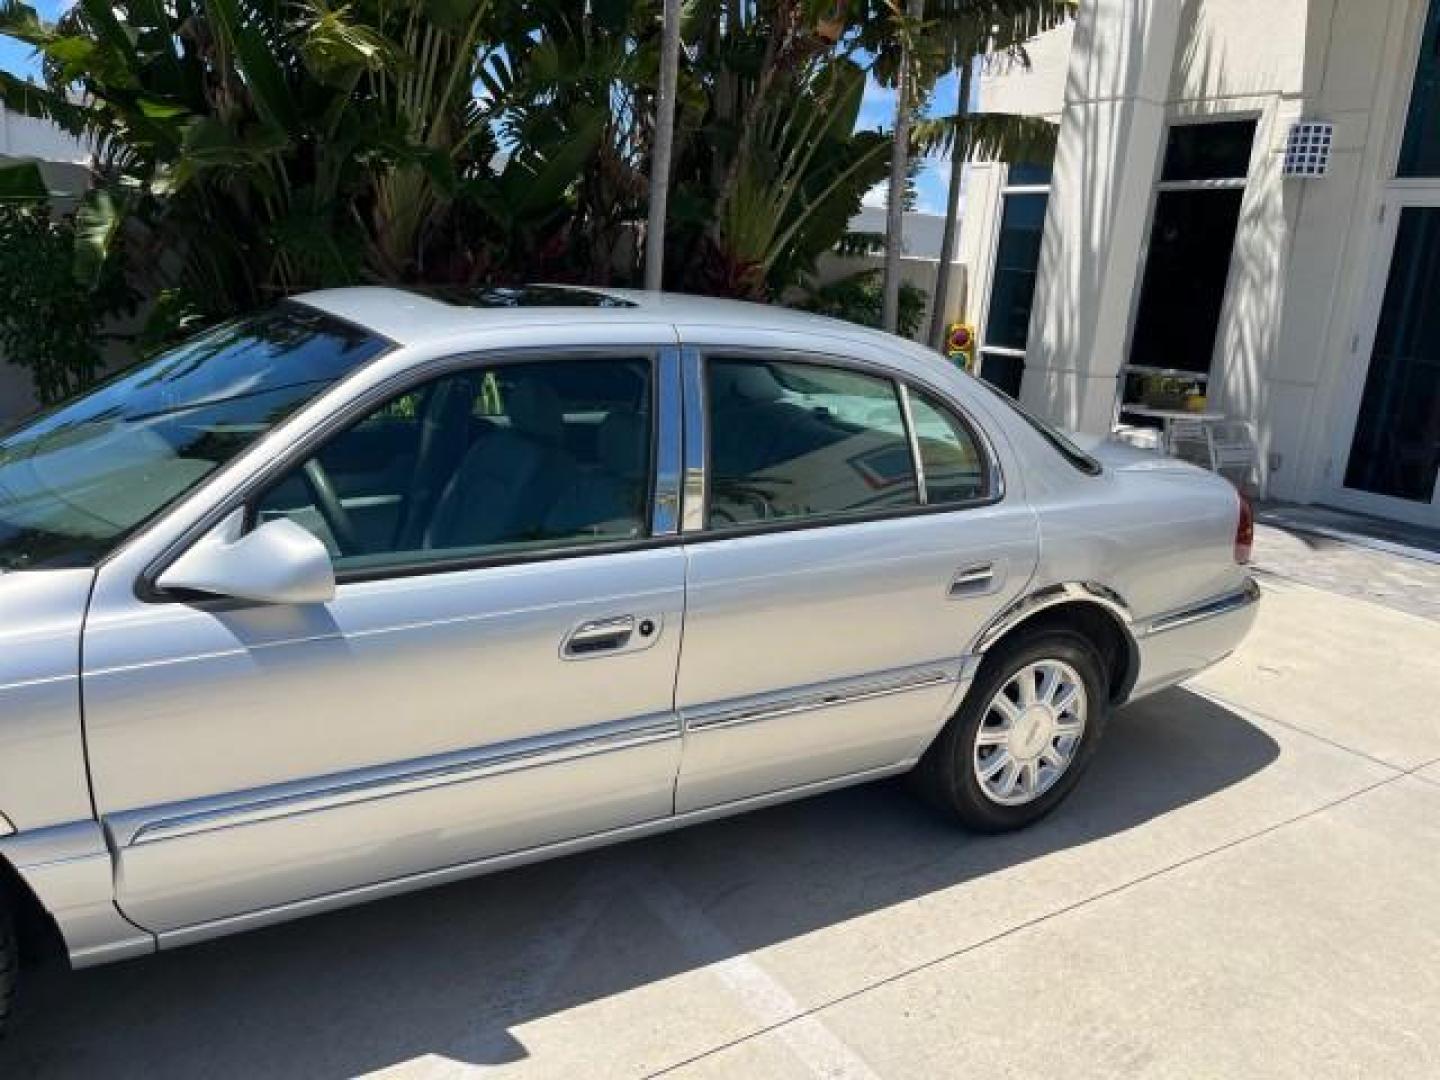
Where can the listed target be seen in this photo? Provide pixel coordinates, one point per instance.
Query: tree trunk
(895, 197)
(661, 149)
(952, 222)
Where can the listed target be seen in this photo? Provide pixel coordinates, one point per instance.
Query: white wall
(1305, 250)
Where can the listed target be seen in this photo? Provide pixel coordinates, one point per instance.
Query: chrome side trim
(1243, 597)
(821, 696)
(368, 785)
(915, 460)
(692, 512)
(267, 916)
(669, 395)
(1060, 593)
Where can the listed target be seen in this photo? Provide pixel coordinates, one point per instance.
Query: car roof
(412, 317)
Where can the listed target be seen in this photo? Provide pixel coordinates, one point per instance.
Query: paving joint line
(1288, 725)
(1021, 927)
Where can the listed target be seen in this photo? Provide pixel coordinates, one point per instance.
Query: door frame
(1398, 197)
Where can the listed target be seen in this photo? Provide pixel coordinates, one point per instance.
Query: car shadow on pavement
(451, 973)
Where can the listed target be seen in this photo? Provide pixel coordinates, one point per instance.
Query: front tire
(9, 960)
(1020, 740)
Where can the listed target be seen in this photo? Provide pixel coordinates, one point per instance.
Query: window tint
(1217, 150)
(79, 479)
(515, 458)
(791, 441)
(954, 467)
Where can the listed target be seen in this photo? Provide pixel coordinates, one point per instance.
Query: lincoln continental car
(379, 589)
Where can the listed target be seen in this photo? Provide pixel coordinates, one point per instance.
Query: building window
(1420, 148)
(1192, 235)
(1012, 284)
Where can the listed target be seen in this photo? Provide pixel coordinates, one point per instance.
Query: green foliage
(52, 317)
(857, 299)
(269, 148)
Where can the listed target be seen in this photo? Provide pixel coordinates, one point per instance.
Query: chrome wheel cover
(1030, 733)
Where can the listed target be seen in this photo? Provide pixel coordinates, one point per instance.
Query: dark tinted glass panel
(1420, 149)
(955, 469)
(516, 458)
(1002, 372)
(792, 441)
(526, 296)
(1218, 151)
(1058, 441)
(1026, 174)
(1185, 274)
(76, 481)
(1396, 450)
(1022, 223)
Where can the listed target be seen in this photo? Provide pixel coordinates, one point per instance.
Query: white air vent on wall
(1307, 151)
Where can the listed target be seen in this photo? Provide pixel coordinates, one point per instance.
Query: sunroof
(527, 296)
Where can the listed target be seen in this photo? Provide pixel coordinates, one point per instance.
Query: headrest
(747, 382)
(621, 443)
(534, 410)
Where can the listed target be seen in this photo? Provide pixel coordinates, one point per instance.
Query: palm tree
(906, 95)
(1001, 26)
(664, 140)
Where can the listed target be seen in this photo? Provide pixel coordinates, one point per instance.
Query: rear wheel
(1023, 735)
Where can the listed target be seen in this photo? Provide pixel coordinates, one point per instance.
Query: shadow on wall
(453, 974)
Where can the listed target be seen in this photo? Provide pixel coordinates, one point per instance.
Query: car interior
(519, 455)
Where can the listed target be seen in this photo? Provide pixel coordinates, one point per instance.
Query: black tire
(944, 777)
(9, 960)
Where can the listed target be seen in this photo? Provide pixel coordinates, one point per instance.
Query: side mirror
(278, 563)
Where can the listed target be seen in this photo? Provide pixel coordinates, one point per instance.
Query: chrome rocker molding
(364, 786)
(1209, 609)
(250, 920)
(823, 695)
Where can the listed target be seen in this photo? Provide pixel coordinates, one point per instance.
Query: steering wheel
(342, 526)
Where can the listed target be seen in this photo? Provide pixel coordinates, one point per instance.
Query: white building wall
(1305, 251)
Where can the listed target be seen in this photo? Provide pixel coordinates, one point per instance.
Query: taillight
(1244, 530)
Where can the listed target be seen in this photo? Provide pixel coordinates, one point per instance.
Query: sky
(876, 111)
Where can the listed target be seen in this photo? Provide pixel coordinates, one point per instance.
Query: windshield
(77, 480)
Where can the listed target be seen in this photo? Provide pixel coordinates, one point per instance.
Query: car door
(495, 672)
(847, 535)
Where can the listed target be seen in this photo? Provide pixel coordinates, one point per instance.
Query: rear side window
(950, 455)
(1080, 460)
(793, 441)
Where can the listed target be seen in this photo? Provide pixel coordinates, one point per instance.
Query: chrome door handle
(599, 635)
(973, 580)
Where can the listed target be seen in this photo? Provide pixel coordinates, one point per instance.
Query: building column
(1105, 164)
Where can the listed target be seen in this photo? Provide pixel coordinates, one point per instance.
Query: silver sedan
(382, 589)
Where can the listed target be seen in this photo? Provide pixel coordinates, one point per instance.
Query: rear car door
(847, 534)
(494, 674)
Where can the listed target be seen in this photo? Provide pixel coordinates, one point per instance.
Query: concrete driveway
(1246, 883)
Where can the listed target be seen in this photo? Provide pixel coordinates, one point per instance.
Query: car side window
(517, 457)
(793, 441)
(954, 466)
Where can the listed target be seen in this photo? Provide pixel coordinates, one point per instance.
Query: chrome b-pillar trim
(670, 404)
(692, 512)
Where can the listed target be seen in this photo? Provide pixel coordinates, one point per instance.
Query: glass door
(1394, 452)
(1391, 451)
